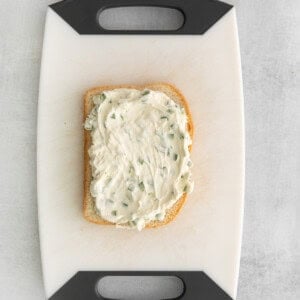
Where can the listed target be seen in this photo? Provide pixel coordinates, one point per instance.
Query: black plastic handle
(83, 15)
(197, 285)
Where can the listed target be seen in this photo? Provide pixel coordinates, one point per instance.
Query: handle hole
(141, 18)
(140, 287)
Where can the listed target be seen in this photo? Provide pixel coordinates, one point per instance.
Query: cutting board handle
(83, 15)
(197, 285)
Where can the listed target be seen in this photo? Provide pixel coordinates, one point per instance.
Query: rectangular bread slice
(89, 210)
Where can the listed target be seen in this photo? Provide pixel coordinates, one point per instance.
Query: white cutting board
(207, 233)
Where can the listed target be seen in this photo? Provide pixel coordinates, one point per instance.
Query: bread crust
(89, 210)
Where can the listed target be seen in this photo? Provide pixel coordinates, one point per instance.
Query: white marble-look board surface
(270, 57)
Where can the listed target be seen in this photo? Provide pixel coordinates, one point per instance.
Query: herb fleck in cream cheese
(139, 157)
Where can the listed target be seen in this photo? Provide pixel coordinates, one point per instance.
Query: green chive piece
(114, 213)
(113, 116)
(133, 223)
(108, 180)
(140, 160)
(142, 186)
(122, 117)
(172, 125)
(102, 96)
(110, 101)
(175, 156)
(144, 93)
(124, 204)
(157, 216)
(168, 152)
(171, 135)
(181, 136)
(110, 201)
(185, 188)
(170, 111)
(164, 117)
(131, 188)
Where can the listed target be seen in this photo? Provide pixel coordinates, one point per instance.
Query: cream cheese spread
(139, 156)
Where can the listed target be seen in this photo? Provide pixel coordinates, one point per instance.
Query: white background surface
(270, 57)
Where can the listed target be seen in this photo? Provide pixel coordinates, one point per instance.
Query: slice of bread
(89, 209)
